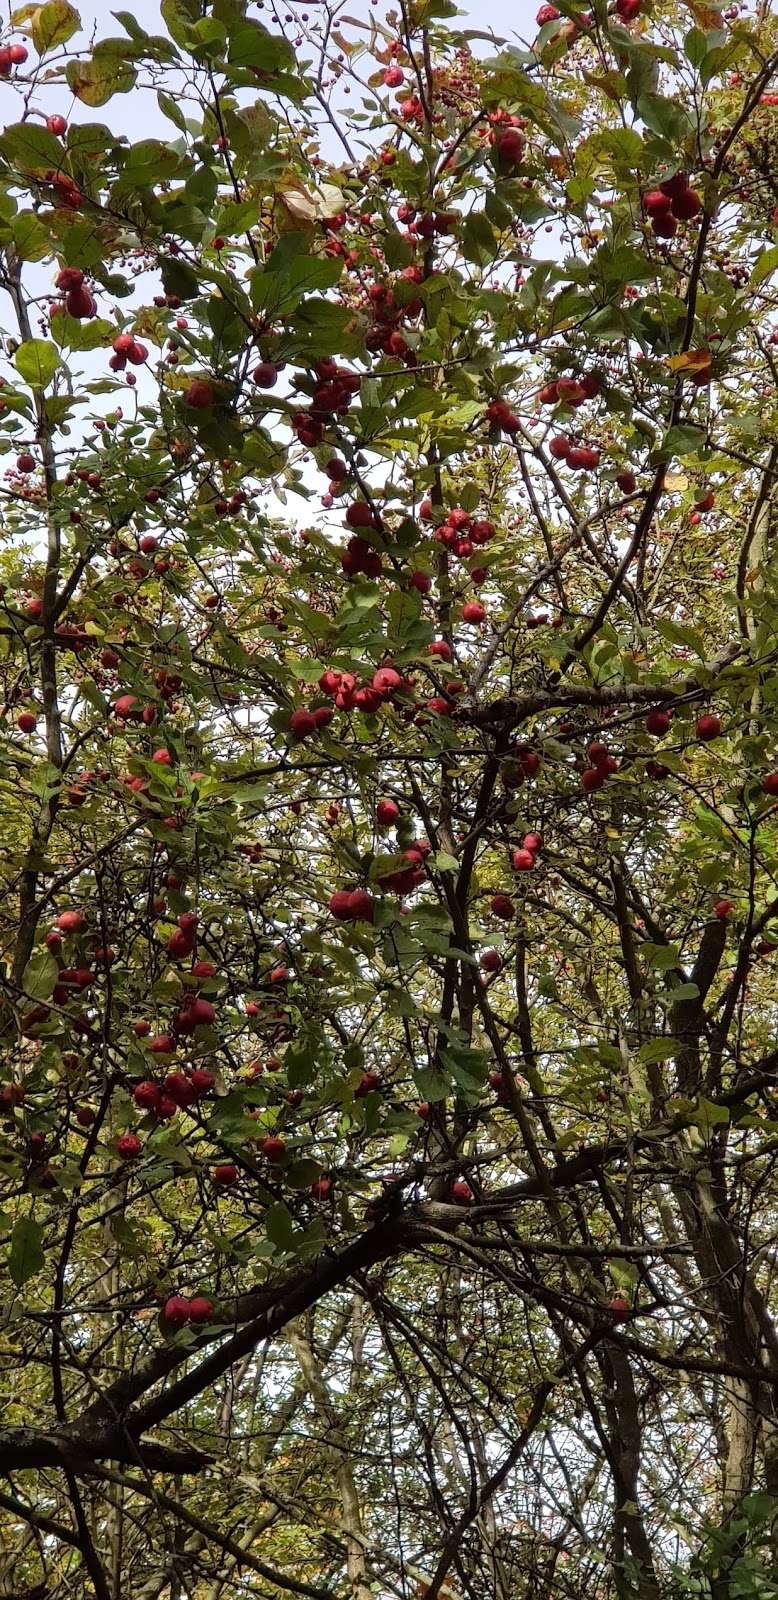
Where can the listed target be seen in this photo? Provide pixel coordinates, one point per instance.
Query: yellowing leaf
(331, 201)
(309, 206)
(675, 480)
(611, 83)
(690, 361)
(706, 17)
(53, 24)
(94, 82)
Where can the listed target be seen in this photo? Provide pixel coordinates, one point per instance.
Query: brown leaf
(706, 17)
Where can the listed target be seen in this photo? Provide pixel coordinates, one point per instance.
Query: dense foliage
(388, 779)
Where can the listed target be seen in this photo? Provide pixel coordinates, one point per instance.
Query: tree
(388, 779)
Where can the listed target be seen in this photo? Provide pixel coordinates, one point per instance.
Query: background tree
(387, 794)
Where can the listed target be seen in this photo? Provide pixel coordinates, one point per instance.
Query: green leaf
(684, 440)
(301, 1174)
(53, 24)
(666, 117)
(171, 109)
(179, 17)
(31, 241)
(179, 278)
(40, 975)
(36, 361)
(26, 1255)
(280, 1227)
(659, 1050)
(279, 292)
(479, 242)
(708, 1115)
(432, 1086)
(127, 21)
(684, 991)
(660, 956)
(695, 47)
(764, 266)
(72, 334)
(444, 862)
(25, 144)
(676, 633)
(251, 45)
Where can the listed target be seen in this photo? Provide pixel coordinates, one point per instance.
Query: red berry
(176, 1311)
(387, 813)
(147, 1095)
(522, 860)
(128, 1147)
(200, 394)
(200, 1309)
(592, 778)
(491, 960)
